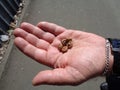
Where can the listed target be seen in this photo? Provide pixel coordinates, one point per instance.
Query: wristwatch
(116, 53)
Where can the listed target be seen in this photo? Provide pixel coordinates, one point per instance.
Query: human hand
(86, 59)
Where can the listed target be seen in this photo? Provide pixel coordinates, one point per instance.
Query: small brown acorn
(70, 44)
(64, 49)
(65, 45)
(60, 46)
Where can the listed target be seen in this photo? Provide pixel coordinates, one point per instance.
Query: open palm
(84, 60)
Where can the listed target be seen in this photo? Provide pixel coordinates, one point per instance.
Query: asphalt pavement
(101, 17)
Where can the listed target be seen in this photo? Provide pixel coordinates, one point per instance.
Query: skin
(86, 58)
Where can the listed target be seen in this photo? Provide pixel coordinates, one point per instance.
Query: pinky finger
(38, 54)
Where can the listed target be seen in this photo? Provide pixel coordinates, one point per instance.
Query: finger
(51, 27)
(37, 54)
(32, 39)
(37, 32)
(58, 76)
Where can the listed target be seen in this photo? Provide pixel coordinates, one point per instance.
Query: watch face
(115, 43)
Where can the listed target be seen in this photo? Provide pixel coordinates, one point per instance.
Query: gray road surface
(97, 16)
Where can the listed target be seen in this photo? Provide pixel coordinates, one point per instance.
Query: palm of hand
(73, 67)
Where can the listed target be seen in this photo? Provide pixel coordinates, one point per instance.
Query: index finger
(51, 27)
(37, 32)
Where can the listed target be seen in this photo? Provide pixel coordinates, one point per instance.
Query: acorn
(64, 49)
(60, 47)
(69, 44)
(65, 45)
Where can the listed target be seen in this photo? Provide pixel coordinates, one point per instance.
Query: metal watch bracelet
(116, 53)
(107, 61)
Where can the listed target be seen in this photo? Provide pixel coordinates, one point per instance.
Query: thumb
(59, 76)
